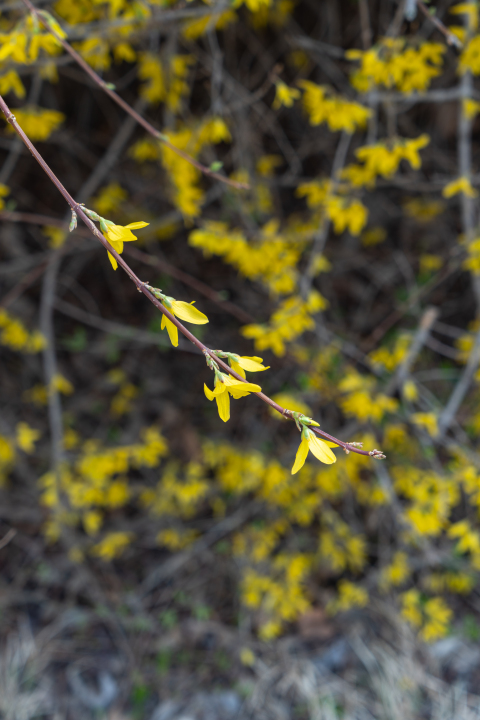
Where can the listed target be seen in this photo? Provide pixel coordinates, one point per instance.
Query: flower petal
(136, 225)
(117, 232)
(223, 405)
(235, 366)
(208, 393)
(252, 364)
(172, 332)
(241, 390)
(189, 313)
(301, 456)
(113, 261)
(321, 450)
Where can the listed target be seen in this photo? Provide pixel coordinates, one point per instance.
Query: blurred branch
(428, 319)
(461, 389)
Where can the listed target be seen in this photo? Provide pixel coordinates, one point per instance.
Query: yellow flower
(183, 310)
(285, 95)
(26, 437)
(461, 185)
(320, 448)
(427, 421)
(241, 363)
(225, 384)
(118, 234)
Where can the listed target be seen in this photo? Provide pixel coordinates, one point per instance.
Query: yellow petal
(136, 225)
(301, 456)
(116, 244)
(330, 444)
(252, 364)
(238, 389)
(172, 332)
(219, 388)
(223, 405)
(189, 313)
(117, 232)
(164, 321)
(321, 450)
(208, 393)
(113, 261)
(235, 366)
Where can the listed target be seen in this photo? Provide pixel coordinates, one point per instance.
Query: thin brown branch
(141, 286)
(163, 265)
(126, 107)
(449, 36)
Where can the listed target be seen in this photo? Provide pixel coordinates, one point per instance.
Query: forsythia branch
(78, 210)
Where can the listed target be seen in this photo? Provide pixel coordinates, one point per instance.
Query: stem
(141, 286)
(125, 106)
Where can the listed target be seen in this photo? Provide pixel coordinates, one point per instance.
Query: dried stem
(141, 286)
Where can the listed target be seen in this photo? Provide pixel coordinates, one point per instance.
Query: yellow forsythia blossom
(396, 573)
(349, 596)
(7, 457)
(242, 363)
(4, 191)
(10, 82)
(194, 29)
(461, 185)
(109, 199)
(56, 236)
(427, 421)
(292, 317)
(37, 123)
(270, 258)
(284, 95)
(319, 448)
(432, 616)
(183, 310)
(470, 108)
(339, 114)
(13, 334)
(112, 545)
(96, 51)
(118, 234)
(150, 70)
(470, 57)
(392, 63)
(470, 9)
(225, 384)
(175, 540)
(26, 437)
(383, 159)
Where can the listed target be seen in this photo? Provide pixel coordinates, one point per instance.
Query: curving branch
(142, 287)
